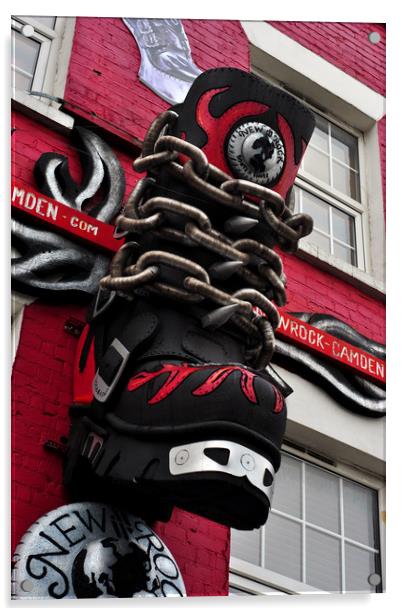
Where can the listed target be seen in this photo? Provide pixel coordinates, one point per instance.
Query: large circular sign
(91, 551)
(256, 153)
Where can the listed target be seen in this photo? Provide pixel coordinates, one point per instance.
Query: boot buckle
(113, 364)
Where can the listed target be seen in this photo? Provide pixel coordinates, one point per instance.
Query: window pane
(344, 147)
(360, 510)
(317, 164)
(359, 565)
(323, 561)
(320, 136)
(22, 82)
(320, 240)
(346, 254)
(283, 547)
(318, 209)
(322, 511)
(287, 493)
(343, 227)
(246, 545)
(346, 181)
(25, 52)
(46, 21)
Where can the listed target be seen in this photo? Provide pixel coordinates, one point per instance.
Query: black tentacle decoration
(48, 263)
(342, 330)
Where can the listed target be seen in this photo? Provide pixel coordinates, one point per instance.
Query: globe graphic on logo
(110, 567)
(256, 152)
(259, 153)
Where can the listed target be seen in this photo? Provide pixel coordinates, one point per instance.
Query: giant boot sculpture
(175, 403)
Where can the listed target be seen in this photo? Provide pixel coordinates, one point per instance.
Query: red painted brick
(344, 44)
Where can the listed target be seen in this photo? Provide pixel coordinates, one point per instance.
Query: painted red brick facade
(346, 45)
(102, 90)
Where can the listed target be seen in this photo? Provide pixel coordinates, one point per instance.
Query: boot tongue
(246, 127)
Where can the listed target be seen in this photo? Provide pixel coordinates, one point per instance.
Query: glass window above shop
(329, 189)
(31, 45)
(332, 157)
(322, 532)
(40, 57)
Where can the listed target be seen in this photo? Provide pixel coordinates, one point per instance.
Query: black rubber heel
(213, 478)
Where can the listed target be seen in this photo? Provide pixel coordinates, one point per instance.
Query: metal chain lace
(248, 309)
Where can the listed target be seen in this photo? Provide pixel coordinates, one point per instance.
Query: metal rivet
(181, 457)
(26, 585)
(374, 37)
(27, 30)
(247, 462)
(374, 579)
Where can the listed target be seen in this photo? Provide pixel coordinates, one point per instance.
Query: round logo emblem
(256, 152)
(91, 551)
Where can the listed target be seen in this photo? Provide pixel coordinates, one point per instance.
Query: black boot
(175, 403)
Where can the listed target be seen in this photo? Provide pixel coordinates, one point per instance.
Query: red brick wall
(41, 394)
(105, 62)
(201, 548)
(102, 81)
(346, 45)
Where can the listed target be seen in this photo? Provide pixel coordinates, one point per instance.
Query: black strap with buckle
(139, 330)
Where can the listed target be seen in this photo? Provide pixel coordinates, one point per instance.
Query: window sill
(349, 273)
(271, 578)
(45, 112)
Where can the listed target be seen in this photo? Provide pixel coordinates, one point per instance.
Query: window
(32, 39)
(322, 534)
(342, 170)
(41, 48)
(329, 189)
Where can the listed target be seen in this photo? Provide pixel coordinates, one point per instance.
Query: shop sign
(66, 219)
(314, 339)
(91, 551)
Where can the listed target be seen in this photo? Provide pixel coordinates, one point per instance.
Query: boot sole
(225, 473)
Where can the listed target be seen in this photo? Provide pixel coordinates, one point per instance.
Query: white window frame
(44, 36)
(357, 209)
(251, 578)
(51, 70)
(353, 106)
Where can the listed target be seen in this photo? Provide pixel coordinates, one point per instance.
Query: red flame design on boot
(214, 149)
(177, 373)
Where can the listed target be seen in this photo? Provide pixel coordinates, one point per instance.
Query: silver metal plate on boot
(93, 551)
(234, 459)
(102, 390)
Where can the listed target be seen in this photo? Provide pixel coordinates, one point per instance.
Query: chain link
(170, 219)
